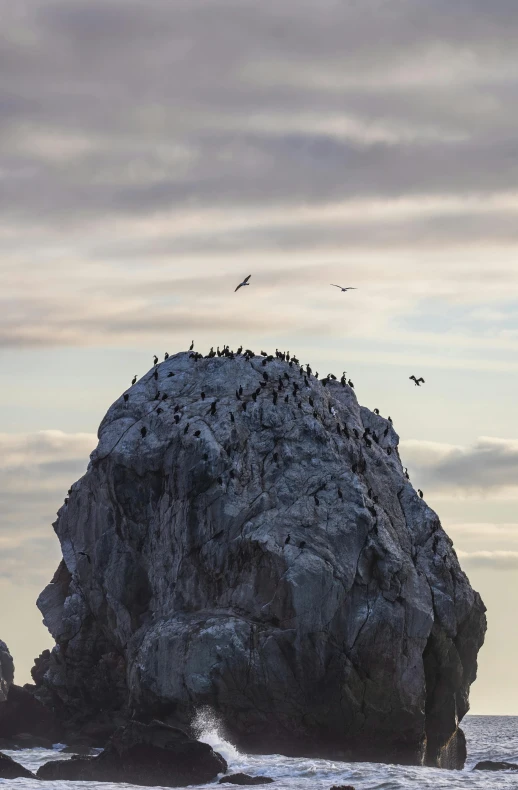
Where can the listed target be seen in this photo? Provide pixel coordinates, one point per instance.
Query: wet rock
(9, 769)
(245, 779)
(342, 787)
(490, 765)
(143, 754)
(269, 561)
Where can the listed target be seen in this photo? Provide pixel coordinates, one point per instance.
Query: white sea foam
(489, 737)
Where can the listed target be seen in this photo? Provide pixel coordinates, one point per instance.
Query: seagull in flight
(245, 282)
(349, 288)
(417, 382)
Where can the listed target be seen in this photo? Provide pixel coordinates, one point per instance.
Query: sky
(154, 154)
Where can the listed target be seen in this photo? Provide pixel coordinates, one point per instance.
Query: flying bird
(417, 382)
(245, 282)
(349, 288)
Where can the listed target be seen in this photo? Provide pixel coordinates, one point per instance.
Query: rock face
(6, 671)
(264, 555)
(141, 754)
(9, 769)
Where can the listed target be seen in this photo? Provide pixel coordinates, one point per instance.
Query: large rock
(277, 567)
(26, 721)
(9, 769)
(6, 671)
(146, 755)
(491, 765)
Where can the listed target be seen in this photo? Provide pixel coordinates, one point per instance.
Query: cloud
(488, 467)
(36, 471)
(494, 560)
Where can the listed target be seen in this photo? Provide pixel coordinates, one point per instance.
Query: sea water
(488, 737)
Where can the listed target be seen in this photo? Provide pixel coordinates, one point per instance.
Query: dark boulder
(23, 713)
(143, 754)
(342, 787)
(490, 765)
(245, 779)
(9, 769)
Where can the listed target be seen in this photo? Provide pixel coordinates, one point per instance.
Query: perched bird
(275, 399)
(84, 554)
(159, 411)
(350, 384)
(155, 359)
(191, 346)
(389, 450)
(143, 431)
(405, 472)
(238, 396)
(134, 379)
(66, 500)
(232, 418)
(287, 399)
(177, 418)
(169, 375)
(266, 376)
(389, 418)
(376, 411)
(288, 538)
(126, 397)
(302, 544)
(166, 356)
(213, 407)
(417, 382)
(245, 282)
(203, 396)
(349, 288)
(186, 428)
(197, 433)
(165, 396)
(420, 492)
(385, 432)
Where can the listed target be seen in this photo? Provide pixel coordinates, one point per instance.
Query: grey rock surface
(357, 637)
(6, 671)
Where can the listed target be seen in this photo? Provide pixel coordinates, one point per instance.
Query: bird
(169, 375)
(288, 538)
(240, 390)
(350, 384)
(143, 431)
(155, 359)
(213, 407)
(166, 356)
(420, 492)
(126, 397)
(165, 396)
(84, 554)
(232, 418)
(191, 346)
(376, 411)
(405, 472)
(159, 411)
(302, 544)
(417, 382)
(245, 282)
(134, 379)
(349, 288)
(389, 418)
(186, 428)
(203, 396)
(177, 418)
(197, 433)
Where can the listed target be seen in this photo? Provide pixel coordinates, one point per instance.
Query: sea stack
(361, 645)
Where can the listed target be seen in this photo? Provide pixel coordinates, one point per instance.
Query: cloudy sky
(153, 154)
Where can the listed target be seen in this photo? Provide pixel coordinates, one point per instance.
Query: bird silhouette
(417, 382)
(134, 379)
(143, 431)
(155, 359)
(348, 288)
(420, 492)
(245, 282)
(288, 538)
(191, 346)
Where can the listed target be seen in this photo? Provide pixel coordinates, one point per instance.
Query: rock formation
(6, 671)
(264, 555)
(143, 754)
(9, 769)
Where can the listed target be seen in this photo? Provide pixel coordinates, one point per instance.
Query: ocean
(489, 738)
